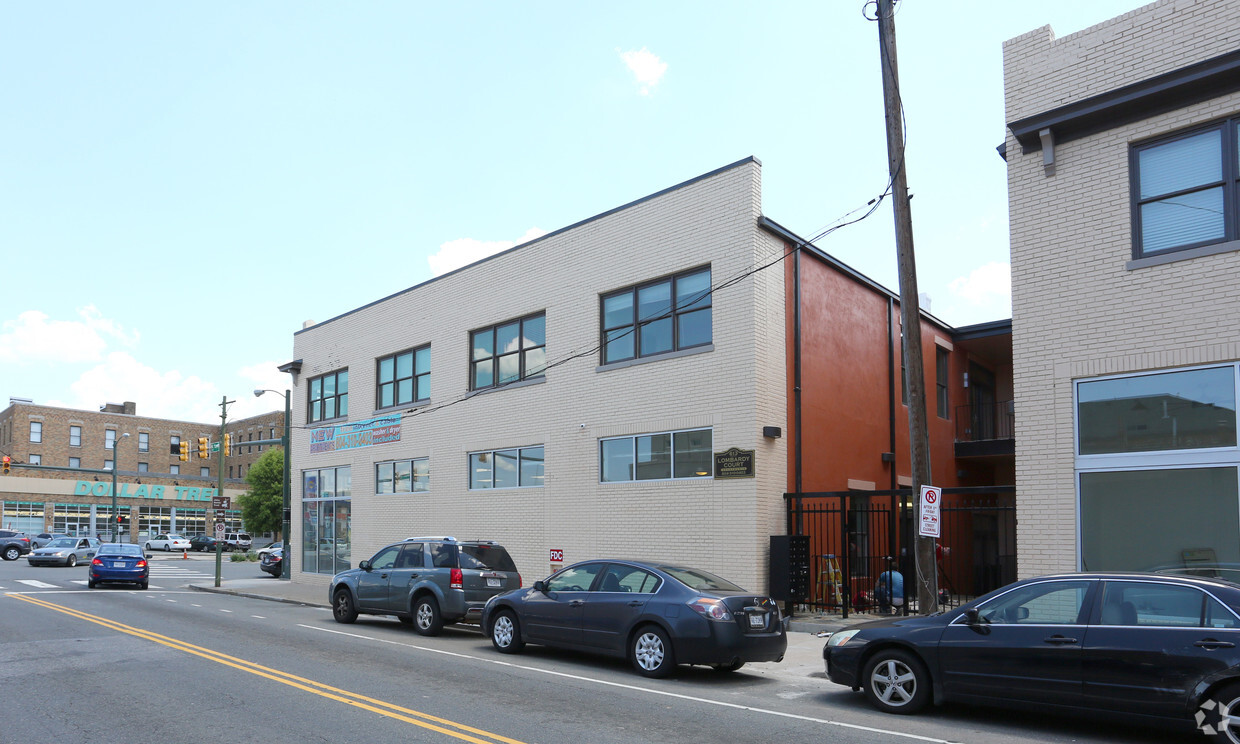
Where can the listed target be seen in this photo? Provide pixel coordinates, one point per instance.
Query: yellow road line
(391, 710)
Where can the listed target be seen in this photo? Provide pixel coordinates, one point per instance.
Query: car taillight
(519, 581)
(96, 562)
(140, 564)
(713, 609)
(456, 579)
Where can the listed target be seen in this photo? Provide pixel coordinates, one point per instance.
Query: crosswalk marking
(36, 584)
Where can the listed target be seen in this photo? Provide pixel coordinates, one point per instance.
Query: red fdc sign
(557, 555)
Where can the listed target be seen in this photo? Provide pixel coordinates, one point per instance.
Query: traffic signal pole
(219, 548)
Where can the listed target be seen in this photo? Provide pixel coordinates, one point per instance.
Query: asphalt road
(173, 665)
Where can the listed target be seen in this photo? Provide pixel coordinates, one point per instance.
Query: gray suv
(425, 582)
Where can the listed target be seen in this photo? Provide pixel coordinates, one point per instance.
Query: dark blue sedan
(1139, 647)
(119, 562)
(657, 615)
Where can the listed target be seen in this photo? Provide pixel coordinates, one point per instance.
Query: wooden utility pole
(910, 306)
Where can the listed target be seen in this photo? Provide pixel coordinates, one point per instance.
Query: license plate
(757, 621)
(492, 582)
(118, 564)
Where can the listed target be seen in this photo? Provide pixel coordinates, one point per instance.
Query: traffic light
(184, 451)
(8, 464)
(203, 446)
(227, 444)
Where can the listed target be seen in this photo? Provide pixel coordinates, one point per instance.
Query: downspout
(796, 380)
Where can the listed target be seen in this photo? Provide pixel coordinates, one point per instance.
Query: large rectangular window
(511, 468)
(329, 396)
(36, 432)
(941, 369)
(658, 317)
(1189, 409)
(144, 441)
(109, 439)
(403, 476)
(508, 352)
(326, 520)
(662, 456)
(75, 436)
(404, 378)
(1184, 190)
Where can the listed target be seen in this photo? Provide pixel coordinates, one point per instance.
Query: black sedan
(1145, 647)
(272, 562)
(657, 615)
(204, 543)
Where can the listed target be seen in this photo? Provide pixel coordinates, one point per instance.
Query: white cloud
(454, 254)
(646, 67)
(34, 337)
(984, 284)
(120, 377)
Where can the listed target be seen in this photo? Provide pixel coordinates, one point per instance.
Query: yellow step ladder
(830, 581)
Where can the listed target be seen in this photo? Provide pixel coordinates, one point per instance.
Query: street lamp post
(286, 525)
(116, 462)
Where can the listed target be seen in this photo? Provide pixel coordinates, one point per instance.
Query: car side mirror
(972, 617)
(364, 565)
(540, 586)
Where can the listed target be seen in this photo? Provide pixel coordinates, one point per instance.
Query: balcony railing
(984, 423)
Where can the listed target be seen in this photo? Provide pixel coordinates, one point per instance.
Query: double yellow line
(390, 710)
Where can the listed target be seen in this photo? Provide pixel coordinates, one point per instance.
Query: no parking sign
(929, 514)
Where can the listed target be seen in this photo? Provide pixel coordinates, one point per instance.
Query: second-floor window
(660, 316)
(144, 442)
(1184, 190)
(36, 432)
(508, 352)
(403, 378)
(329, 396)
(511, 468)
(36, 459)
(75, 462)
(941, 358)
(109, 439)
(75, 436)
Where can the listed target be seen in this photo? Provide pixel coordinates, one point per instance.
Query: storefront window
(1189, 409)
(23, 517)
(327, 521)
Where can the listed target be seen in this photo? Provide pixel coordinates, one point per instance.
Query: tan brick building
(156, 490)
(1123, 189)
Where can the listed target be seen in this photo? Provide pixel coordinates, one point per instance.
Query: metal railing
(981, 423)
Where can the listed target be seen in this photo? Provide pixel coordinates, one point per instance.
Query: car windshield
(176, 537)
(491, 557)
(120, 549)
(62, 542)
(700, 580)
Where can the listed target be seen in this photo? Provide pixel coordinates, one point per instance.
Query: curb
(252, 595)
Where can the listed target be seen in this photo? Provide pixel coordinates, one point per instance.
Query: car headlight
(59, 553)
(842, 637)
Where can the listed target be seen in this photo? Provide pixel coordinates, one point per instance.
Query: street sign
(929, 514)
(219, 515)
(219, 530)
(215, 446)
(221, 502)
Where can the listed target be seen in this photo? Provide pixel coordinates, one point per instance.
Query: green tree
(262, 507)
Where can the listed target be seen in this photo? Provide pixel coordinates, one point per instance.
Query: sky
(184, 184)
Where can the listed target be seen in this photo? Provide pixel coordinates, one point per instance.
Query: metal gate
(857, 536)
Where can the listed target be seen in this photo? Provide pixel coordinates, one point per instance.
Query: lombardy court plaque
(734, 463)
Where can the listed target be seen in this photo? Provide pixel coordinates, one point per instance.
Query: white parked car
(274, 546)
(167, 542)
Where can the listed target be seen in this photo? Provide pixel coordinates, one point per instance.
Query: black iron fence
(862, 545)
(981, 423)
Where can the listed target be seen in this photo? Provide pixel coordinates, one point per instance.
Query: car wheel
(729, 667)
(1216, 714)
(896, 682)
(506, 634)
(12, 553)
(144, 585)
(147, 547)
(651, 652)
(342, 607)
(90, 585)
(167, 547)
(72, 561)
(426, 619)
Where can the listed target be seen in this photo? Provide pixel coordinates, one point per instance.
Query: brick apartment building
(156, 490)
(1123, 178)
(651, 381)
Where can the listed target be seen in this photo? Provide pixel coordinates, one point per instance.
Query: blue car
(120, 562)
(657, 615)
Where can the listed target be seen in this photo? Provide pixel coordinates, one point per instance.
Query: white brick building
(606, 452)
(1124, 192)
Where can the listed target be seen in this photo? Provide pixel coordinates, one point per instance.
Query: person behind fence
(889, 592)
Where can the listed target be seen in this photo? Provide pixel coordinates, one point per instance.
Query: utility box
(789, 576)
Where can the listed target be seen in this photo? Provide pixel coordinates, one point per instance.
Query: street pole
(116, 465)
(286, 573)
(219, 548)
(910, 306)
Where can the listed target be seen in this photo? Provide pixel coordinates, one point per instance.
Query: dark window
(329, 396)
(443, 555)
(942, 371)
(411, 556)
(662, 316)
(1185, 190)
(404, 378)
(508, 352)
(487, 557)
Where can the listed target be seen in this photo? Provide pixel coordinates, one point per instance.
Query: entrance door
(981, 402)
